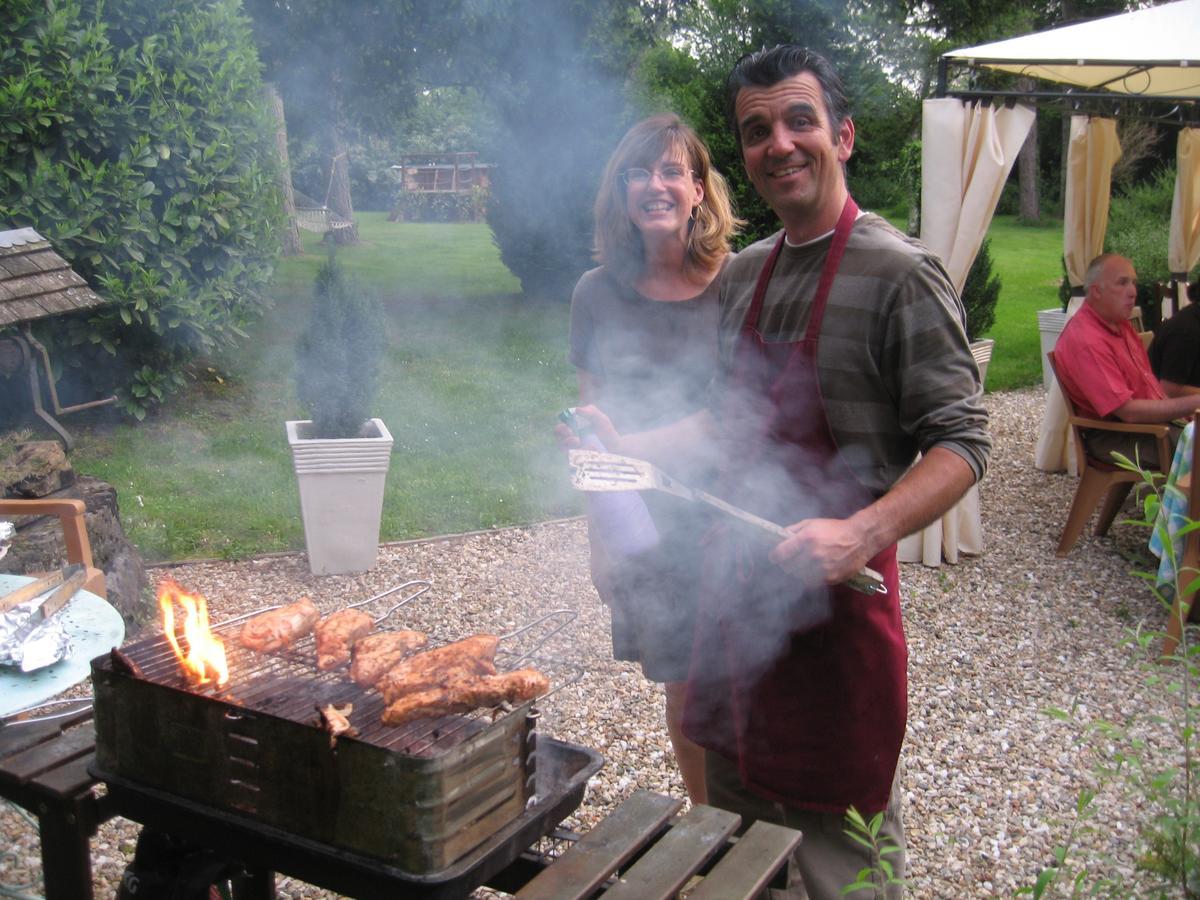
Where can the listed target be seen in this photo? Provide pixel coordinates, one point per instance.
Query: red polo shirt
(1101, 365)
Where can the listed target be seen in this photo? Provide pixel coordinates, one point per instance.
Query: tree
(133, 136)
(347, 65)
(689, 74)
(553, 75)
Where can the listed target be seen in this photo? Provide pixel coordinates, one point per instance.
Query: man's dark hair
(764, 68)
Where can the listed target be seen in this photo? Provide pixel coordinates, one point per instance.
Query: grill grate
(288, 685)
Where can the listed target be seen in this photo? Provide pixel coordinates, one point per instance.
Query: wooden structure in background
(36, 284)
(443, 172)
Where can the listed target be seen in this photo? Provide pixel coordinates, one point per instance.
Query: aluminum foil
(7, 530)
(44, 646)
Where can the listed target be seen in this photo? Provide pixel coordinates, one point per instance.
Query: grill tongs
(592, 470)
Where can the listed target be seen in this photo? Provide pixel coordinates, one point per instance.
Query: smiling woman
(644, 343)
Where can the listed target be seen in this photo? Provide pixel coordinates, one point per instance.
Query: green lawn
(472, 381)
(1028, 260)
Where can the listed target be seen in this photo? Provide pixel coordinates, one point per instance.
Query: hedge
(133, 137)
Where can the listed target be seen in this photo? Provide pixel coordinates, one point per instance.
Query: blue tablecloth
(1173, 513)
(93, 625)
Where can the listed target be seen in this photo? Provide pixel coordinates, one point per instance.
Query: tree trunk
(291, 234)
(1027, 170)
(339, 202)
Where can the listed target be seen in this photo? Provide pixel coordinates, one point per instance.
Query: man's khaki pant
(826, 860)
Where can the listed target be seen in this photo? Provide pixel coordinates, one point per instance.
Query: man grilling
(844, 354)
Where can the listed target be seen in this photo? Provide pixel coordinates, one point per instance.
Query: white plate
(93, 625)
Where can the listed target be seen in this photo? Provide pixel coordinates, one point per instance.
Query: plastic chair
(70, 516)
(1189, 559)
(1098, 479)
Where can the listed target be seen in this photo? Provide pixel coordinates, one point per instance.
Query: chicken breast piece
(376, 653)
(467, 692)
(278, 629)
(470, 656)
(337, 633)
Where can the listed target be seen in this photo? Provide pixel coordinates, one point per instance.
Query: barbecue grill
(419, 796)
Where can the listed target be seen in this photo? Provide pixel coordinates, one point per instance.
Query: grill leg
(254, 884)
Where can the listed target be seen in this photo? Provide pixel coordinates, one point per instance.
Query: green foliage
(131, 136)
(866, 833)
(980, 293)
(1139, 219)
(440, 206)
(337, 357)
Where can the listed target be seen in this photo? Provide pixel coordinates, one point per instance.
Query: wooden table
(643, 850)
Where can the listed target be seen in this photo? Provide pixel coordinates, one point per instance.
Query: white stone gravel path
(991, 781)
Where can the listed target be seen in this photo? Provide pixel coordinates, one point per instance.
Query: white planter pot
(1050, 324)
(982, 351)
(341, 495)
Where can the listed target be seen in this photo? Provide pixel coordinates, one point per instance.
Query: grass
(1028, 259)
(471, 383)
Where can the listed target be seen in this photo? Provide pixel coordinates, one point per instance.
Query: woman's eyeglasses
(667, 174)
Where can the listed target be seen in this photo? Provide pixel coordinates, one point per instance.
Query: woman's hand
(596, 422)
(601, 426)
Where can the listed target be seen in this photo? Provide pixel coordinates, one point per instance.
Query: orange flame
(204, 660)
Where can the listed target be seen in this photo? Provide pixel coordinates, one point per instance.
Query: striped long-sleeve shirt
(894, 366)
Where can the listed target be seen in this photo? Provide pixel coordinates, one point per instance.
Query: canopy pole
(943, 75)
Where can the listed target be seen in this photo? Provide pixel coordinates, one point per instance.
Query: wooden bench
(667, 855)
(43, 769)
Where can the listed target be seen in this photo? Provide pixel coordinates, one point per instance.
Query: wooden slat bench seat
(43, 769)
(667, 855)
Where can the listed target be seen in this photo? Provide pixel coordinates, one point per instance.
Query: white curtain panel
(1183, 245)
(967, 151)
(1092, 151)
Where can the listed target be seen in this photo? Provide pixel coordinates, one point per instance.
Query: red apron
(806, 689)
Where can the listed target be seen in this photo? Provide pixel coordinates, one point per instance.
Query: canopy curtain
(1183, 245)
(1091, 153)
(967, 152)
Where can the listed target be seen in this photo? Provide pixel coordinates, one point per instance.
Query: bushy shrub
(980, 293)
(133, 137)
(440, 206)
(1139, 221)
(337, 358)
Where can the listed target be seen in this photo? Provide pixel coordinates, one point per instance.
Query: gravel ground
(991, 781)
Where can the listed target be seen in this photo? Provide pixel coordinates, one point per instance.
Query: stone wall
(40, 469)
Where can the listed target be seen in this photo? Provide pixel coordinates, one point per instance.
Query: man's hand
(822, 551)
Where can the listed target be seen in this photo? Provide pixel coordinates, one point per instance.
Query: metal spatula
(595, 471)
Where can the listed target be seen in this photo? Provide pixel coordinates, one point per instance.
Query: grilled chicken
(336, 634)
(433, 668)
(376, 653)
(336, 720)
(463, 693)
(277, 629)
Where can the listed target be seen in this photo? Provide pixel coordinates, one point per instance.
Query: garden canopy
(1150, 53)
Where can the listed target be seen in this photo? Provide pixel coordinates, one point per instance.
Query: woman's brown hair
(618, 242)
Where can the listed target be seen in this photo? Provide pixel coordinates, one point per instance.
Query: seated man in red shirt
(1103, 366)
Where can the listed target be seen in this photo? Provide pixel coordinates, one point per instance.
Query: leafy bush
(1139, 221)
(980, 292)
(440, 206)
(132, 136)
(337, 360)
